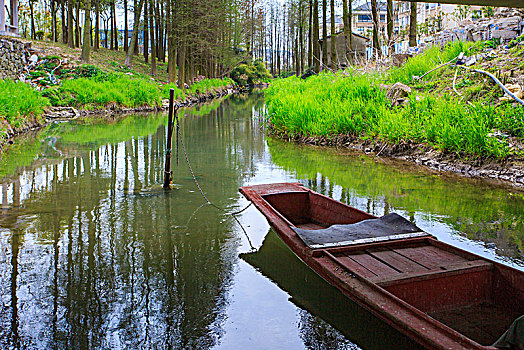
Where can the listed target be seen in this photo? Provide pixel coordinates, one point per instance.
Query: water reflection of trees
(99, 256)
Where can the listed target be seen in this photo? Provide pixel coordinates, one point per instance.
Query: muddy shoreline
(509, 171)
(68, 113)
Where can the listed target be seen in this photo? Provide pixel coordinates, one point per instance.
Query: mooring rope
(179, 137)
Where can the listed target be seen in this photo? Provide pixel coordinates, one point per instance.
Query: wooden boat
(440, 296)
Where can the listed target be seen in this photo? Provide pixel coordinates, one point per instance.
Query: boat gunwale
(390, 308)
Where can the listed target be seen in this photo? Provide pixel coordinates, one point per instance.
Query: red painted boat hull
(440, 296)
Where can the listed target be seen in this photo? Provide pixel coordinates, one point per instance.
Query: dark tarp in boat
(513, 338)
(388, 227)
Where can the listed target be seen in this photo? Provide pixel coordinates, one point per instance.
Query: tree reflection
(108, 259)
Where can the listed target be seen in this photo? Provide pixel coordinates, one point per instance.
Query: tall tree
(333, 47)
(97, 25)
(134, 36)
(316, 43)
(376, 28)
(389, 19)
(152, 36)
(146, 34)
(126, 28)
(310, 36)
(86, 46)
(413, 24)
(324, 33)
(70, 34)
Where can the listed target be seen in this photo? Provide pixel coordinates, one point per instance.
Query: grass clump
(164, 91)
(418, 65)
(333, 104)
(19, 104)
(105, 89)
(351, 103)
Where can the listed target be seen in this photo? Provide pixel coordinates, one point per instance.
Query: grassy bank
(21, 106)
(122, 90)
(352, 103)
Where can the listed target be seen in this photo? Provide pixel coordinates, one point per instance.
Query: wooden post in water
(167, 170)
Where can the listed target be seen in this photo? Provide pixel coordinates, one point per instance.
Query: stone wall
(14, 55)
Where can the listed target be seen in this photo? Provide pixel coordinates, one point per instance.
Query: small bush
(253, 73)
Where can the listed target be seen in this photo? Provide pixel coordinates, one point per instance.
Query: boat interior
(472, 295)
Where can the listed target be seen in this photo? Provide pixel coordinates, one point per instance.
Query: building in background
(9, 17)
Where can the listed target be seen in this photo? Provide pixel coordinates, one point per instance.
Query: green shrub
(253, 73)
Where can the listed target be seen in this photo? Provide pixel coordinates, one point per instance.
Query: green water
(94, 254)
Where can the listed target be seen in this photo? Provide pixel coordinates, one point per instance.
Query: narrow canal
(94, 254)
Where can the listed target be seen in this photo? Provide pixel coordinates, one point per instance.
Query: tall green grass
(123, 90)
(103, 90)
(19, 101)
(333, 104)
(434, 56)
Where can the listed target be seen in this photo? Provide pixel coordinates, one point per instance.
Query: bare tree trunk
(301, 51)
(70, 35)
(54, 31)
(146, 34)
(86, 46)
(152, 34)
(310, 36)
(324, 33)
(64, 21)
(334, 63)
(77, 26)
(160, 38)
(97, 25)
(376, 28)
(112, 40)
(126, 28)
(115, 28)
(316, 43)
(134, 36)
(413, 25)
(31, 10)
(390, 21)
(182, 67)
(346, 18)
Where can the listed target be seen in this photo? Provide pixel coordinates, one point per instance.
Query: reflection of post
(16, 192)
(15, 247)
(167, 170)
(5, 205)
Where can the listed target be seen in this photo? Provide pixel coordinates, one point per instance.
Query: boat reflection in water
(310, 292)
